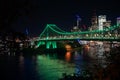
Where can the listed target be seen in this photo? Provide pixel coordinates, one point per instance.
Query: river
(46, 66)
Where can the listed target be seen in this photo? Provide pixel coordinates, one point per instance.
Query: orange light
(68, 56)
(68, 48)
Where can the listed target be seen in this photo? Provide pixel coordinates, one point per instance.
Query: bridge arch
(52, 33)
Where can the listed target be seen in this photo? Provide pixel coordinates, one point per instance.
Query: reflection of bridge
(52, 33)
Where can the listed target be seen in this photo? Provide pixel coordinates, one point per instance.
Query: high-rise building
(94, 22)
(118, 20)
(106, 24)
(101, 19)
(76, 28)
(78, 20)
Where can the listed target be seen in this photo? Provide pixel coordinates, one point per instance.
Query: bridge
(52, 33)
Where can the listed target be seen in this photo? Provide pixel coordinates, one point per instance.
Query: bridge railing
(107, 33)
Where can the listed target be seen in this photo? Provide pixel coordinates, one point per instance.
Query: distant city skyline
(35, 14)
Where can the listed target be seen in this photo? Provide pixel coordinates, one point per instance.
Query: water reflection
(77, 56)
(21, 60)
(68, 56)
(21, 64)
(51, 66)
(26, 68)
(97, 49)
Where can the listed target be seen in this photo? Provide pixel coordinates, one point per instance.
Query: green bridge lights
(52, 33)
(51, 44)
(40, 43)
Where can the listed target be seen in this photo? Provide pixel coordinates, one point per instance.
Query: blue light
(78, 17)
(79, 41)
(26, 31)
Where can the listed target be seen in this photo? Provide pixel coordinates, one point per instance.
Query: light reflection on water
(68, 56)
(48, 66)
(51, 66)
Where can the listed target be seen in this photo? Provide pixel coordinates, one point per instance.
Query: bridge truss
(53, 33)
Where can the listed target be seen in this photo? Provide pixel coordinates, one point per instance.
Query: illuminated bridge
(52, 33)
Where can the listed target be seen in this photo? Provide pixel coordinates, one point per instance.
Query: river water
(46, 66)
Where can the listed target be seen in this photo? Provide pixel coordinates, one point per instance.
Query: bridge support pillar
(51, 44)
(40, 43)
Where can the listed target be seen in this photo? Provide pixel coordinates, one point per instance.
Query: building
(76, 28)
(101, 19)
(94, 22)
(106, 24)
(118, 20)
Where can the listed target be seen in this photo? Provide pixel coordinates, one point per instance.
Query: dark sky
(35, 14)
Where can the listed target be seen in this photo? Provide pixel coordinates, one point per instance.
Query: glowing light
(79, 41)
(49, 67)
(51, 44)
(40, 43)
(68, 48)
(17, 40)
(91, 41)
(68, 56)
(58, 34)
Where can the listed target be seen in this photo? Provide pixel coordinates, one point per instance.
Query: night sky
(35, 14)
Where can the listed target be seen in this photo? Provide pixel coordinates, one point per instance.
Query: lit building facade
(101, 19)
(106, 24)
(118, 20)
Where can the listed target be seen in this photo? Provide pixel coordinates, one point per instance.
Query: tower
(26, 31)
(78, 20)
(76, 28)
(101, 19)
(94, 21)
